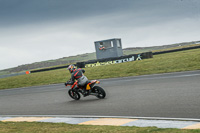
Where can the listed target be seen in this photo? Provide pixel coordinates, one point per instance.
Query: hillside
(187, 60)
(91, 56)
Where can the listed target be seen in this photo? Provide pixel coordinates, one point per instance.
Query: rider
(77, 74)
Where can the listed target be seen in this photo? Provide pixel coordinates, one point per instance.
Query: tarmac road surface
(171, 95)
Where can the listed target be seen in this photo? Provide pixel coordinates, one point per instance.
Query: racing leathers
(77, 74)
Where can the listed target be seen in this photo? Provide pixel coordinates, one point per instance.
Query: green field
(171, 62)
(36, 127)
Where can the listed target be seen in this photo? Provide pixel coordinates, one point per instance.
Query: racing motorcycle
(90, 87)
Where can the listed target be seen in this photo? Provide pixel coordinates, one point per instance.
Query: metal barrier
(13, 74)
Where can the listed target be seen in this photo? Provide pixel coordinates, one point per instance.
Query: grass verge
(164, 63)
(37, 127)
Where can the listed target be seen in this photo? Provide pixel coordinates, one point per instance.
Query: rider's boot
(85, 92)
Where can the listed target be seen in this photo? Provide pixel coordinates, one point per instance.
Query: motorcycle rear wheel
(99, 91)
(74, 95)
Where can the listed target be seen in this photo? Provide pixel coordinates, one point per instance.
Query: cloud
(36, 31)
(42, 42)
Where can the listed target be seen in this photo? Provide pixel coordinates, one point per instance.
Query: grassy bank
(34, 127)
(170, 62)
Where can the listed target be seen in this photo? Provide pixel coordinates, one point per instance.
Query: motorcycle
(90, 87)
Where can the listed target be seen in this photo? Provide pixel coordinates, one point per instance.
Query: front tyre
(74, 95)
(99, 91)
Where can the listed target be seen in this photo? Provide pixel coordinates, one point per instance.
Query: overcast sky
(39, 30)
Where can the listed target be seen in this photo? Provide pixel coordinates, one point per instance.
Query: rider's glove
(66, 83)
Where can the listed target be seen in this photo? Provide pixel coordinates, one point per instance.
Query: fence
(107, 61)
(175, 50)
(115, 60)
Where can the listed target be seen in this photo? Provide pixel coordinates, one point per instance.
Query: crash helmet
(71, 68)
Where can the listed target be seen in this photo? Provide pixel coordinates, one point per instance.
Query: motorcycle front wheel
(74, 95)
(99, 91)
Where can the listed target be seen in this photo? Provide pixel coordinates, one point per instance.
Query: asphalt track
(171, 95)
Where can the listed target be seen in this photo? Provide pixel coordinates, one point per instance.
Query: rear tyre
(99, 91)
(74, 94)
